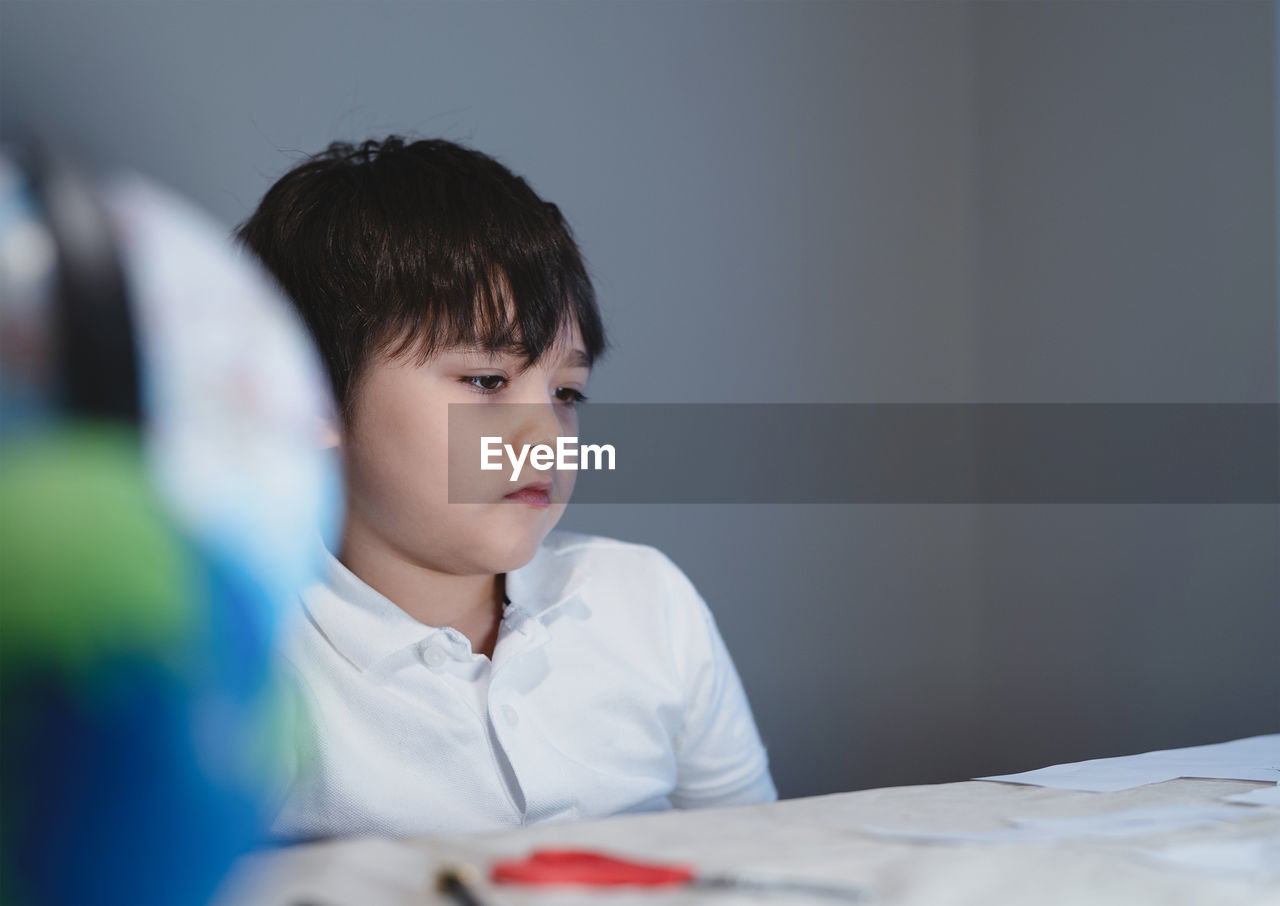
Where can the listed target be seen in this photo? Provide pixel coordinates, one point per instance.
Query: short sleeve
(719, 754)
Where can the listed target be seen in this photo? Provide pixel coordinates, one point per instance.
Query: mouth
(536, 494)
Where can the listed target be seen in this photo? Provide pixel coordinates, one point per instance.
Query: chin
(510, 546)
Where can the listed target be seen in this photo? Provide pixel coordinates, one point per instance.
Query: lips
(536, 494)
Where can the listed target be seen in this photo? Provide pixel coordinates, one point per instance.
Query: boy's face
(398, 456)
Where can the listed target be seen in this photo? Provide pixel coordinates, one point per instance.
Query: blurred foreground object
(160, 484)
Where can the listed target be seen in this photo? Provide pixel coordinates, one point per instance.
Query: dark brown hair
(388, 248)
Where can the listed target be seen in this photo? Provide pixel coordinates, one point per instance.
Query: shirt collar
(362, 624)
(365, 626)
(545, 582)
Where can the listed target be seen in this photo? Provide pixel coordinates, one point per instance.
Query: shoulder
(613, 561)
(637, 584)
(640, 600)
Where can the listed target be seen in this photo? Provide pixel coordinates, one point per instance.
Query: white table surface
(822, 838)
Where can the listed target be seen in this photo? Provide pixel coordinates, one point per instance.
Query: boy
(462, 667)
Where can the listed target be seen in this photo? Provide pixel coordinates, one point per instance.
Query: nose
(542, 422)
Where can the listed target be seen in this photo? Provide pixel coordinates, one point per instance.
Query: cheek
(394, 476)
(399, 452)
(554, 512)
(467, 482)
(565, 482)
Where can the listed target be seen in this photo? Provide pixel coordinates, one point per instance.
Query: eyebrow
(573, 358)
(576, 358)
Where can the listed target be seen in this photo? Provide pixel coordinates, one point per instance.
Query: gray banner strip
(924, 453)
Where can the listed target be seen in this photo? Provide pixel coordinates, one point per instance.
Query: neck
(471, 604)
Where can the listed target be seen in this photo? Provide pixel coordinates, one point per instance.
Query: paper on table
(1268, 795)
(1254, 758)
(1258, 857)
(1133, 822)
(364, 870)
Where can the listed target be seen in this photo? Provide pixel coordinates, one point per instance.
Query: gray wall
(831, 202)
(1126, 252)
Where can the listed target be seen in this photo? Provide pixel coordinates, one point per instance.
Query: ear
(328, 433)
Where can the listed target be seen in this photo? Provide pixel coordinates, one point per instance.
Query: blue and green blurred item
(108, 667)
(145, 551)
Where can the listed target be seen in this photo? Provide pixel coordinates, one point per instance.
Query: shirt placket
(509, 718)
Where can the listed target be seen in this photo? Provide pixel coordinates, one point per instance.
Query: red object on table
(584, 867)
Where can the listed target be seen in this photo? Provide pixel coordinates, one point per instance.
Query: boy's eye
(570, 396)
(492, 383)
(485, 383)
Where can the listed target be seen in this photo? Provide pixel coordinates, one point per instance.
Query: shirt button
(512, 716)
(434, 656)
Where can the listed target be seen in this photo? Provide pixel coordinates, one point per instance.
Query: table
(821, 838)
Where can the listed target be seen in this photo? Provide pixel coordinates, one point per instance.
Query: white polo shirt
(610, 690)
